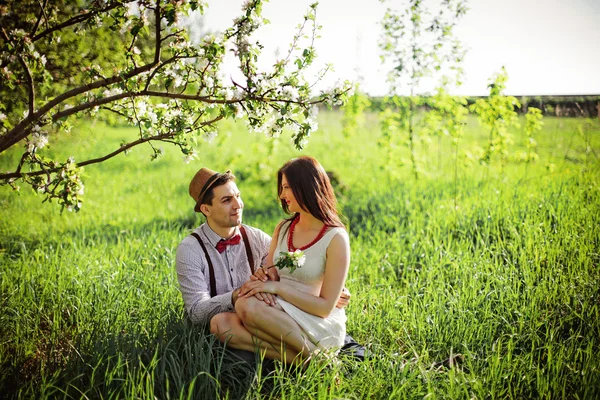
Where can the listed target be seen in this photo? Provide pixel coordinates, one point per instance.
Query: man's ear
(204, 209)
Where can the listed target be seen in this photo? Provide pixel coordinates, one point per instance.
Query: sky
(549, 47)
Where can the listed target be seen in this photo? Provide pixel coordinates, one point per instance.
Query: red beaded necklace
(291, 236)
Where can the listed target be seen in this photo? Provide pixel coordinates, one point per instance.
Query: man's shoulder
(256, 233)
(189, 242)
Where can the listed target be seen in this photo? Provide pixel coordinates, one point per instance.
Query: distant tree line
(561, 106)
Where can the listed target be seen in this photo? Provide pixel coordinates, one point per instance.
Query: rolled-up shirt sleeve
(191, 266)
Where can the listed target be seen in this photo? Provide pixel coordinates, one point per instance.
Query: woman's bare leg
(228, 328)
(267, 322)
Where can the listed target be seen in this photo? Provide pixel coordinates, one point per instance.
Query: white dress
(324, 332)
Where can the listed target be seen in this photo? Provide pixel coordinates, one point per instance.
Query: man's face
(226, 208)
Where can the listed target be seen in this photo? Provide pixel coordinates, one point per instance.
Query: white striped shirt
(231, 270)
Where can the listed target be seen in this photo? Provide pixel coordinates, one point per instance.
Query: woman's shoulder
(336, 234)
(281, 227)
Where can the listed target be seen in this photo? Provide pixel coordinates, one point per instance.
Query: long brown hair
(311, 188)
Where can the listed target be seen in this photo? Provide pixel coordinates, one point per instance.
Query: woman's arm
(266, 272)
(336, 270)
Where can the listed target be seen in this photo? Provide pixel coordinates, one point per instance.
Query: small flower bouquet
(291, 260)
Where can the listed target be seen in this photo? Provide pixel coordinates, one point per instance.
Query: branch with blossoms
(173, 91)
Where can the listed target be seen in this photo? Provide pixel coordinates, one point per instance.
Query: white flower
(313, 124)
(142, 107)
(300, 257)
(295, 127)
(189, 157)
(38, 139)
(152, 117)
(208, 39)
(177, 81)
(112, 92)
(2, 116)
(302, 144)
(290, 92)
(239, 110)
(80, 191)
(301, 260)
(246, 4)
(209, 136)
(135, 50)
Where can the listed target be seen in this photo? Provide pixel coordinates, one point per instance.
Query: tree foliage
(497, 114)
(62, 60)
(419, 45)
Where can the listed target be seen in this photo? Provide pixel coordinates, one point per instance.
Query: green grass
(499, 265)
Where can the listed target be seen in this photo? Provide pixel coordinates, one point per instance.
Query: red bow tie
(222, 244)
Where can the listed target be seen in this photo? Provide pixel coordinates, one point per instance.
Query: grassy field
(499, 265)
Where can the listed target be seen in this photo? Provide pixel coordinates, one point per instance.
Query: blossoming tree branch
(147, 74)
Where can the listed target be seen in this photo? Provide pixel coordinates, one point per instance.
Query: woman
(304, 317)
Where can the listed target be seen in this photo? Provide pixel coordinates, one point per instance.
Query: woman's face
(287, 195)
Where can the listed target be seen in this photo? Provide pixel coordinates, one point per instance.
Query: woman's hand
(260, 275)
(265, 274)
(252, 287)
(344, 299)
(268, 298)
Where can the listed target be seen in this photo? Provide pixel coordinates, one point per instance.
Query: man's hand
(268, 298)
(251, 288)
(344, 299)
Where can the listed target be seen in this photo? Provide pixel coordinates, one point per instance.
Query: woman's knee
(247, 308)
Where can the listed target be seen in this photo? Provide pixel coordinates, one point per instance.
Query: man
(220, 255)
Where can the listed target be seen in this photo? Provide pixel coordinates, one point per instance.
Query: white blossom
(142, 108)
(151, 115)
(112, 92)
(38, 139)
(2, 116)
(290, 92)
(177, 81)
(303, 142)
(189, 157)
(239, 110)
(246, 5)
(209, 136)
(312, 123)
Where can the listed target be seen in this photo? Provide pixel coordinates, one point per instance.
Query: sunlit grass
(500, 265)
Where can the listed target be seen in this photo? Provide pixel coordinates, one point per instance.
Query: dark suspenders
(211, 269)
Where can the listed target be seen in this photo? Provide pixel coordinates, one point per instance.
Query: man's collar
(212, 236)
